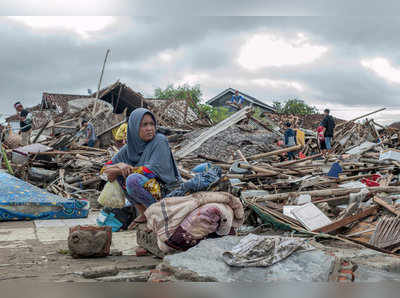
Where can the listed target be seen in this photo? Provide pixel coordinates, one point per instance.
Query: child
(290, 139)
(321, 138)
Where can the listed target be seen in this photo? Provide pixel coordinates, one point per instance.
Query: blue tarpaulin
(20, 200)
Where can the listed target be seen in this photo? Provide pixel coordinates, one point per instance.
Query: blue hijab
(156, 155)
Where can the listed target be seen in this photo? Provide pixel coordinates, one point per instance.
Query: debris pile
(350, 194)
(342, 195)
(56, 160)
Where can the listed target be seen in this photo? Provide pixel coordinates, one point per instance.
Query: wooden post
(101, 78)
(360, 117)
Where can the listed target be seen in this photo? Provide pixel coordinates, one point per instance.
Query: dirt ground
(29, 251)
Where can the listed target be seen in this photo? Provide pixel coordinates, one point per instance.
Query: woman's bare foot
(137, 221)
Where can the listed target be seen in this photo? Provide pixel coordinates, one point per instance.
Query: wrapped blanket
(184, 221)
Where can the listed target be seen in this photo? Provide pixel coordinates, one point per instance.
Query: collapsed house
(349, 197)
(221, 99)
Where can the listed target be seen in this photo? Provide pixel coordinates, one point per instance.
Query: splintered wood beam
(385, 205)
(347, 220)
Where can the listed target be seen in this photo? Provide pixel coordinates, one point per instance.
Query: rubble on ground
(349, 197)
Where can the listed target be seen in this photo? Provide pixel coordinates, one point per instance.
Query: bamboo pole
(350, 178)
(360, 117)
(262, 170)
(292, 162)
(257, 169)
(41, 131)
(275, 152)
(328, 192)
(101, 78)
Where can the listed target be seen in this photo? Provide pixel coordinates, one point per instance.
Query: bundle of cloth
(182, 222)
(263, 251)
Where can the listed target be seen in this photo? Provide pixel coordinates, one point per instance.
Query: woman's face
(147, 130)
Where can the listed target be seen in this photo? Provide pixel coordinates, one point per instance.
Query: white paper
(287, 210)
(311, 217)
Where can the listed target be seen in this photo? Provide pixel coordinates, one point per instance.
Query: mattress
(20, 200)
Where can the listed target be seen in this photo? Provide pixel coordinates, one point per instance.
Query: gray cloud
(34, 61)
(204, 7)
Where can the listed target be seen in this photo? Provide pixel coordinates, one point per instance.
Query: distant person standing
(328, 125)
(90, 133)
(290, 139)
(237, 99)
(25, 123)
(121, 136)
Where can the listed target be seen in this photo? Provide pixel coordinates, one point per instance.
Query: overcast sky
(349, 64)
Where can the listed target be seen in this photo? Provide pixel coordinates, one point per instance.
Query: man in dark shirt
(25, 123)
(329, 126)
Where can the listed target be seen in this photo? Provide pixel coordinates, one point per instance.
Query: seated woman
(144, 167)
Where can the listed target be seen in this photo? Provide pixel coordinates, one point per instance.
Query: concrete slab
(50, 234)
(16, 224)
(14, 244)
(90, 220)
(58, 229)
(206, 261)
(17, 234)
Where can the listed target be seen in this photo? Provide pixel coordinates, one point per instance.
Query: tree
(179, 92)
(295, 107)
(277, 105)
(216, 114)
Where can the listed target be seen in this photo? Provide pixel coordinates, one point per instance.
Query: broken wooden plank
(347, 220)
(385, 205)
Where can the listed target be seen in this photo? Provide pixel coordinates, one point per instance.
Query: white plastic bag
(112, 196)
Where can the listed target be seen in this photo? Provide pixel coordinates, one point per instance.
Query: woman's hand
(126, 169)
(112, 173)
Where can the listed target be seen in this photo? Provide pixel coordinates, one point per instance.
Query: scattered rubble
(349, 197)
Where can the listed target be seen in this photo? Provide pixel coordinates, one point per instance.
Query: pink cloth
(202, 221)
(320, 131)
